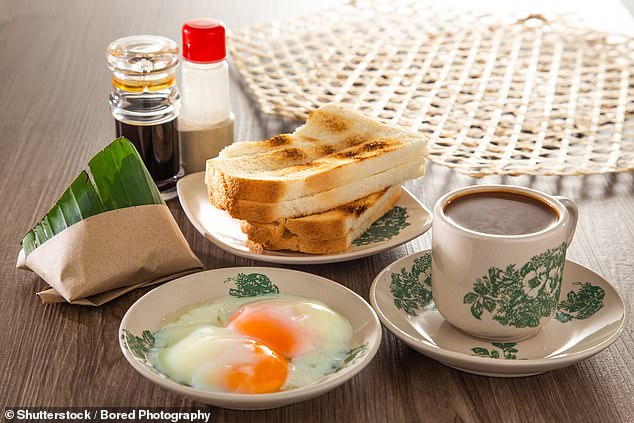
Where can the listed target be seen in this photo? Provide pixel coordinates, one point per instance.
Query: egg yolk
(267, 374)
(278, 332)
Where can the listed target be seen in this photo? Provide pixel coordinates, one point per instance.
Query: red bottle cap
(204, 40)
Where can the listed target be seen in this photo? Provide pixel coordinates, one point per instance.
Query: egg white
(195, 343)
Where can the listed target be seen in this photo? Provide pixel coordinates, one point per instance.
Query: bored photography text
(111, 414)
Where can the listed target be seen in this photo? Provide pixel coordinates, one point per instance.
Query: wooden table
(55, 116)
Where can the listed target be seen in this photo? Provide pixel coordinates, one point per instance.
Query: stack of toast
(318, 189)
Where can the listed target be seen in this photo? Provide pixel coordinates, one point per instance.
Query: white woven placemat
(495, 94)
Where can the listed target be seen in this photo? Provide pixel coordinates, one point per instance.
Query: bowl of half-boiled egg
(250, 338)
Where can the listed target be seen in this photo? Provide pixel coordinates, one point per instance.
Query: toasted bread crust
(225, 189)
(331, 246)
(313, 239)
(267, 212)
(334, 223)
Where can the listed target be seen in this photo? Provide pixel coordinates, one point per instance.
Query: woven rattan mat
(523, 94)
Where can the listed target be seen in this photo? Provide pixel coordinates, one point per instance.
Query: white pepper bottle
(206, 121)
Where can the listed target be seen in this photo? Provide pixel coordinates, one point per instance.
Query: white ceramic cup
(499, 287)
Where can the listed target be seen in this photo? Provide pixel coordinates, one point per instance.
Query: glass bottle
(145, 103)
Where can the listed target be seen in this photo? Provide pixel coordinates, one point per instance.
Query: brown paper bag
(109, 254)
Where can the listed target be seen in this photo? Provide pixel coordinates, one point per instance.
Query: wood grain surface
(54, 116)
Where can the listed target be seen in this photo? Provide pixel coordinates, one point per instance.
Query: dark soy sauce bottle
(145, 103)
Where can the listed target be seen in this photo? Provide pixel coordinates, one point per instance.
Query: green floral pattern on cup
(520, 297)
(385, 228)
(507, 349)
(412, 289)
(581, 304)
(252, 285)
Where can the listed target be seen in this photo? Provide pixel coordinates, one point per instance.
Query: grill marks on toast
(337, 156)
(343, 157)
(369, 149)
(291, 154)
(354, 210)
(281, 139)
(323, 233)
(332, 122)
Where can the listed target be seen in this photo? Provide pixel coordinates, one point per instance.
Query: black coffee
(500, 213)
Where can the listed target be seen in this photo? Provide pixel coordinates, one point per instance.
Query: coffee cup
(498, 255)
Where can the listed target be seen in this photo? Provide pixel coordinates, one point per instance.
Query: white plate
(401, 296)
(411, 219)
(147, 315)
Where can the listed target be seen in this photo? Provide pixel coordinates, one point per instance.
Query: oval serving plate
(408, 219)
(590, 317)
(149, 314)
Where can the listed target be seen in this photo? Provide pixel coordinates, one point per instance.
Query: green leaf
(29, 243)
(482, 352)
(46, 226)
(489, 304)
(88, 202)
(78, 202)
(470, 298)
(476, 310)
(563, 317)
(40, 236)
(504, 345)
(56, 219)
(121, 178)
(480, 288)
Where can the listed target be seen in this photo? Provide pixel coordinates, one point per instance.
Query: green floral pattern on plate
(139, 346)
(412, 289)
(352, 356)
(520, 297)
(252, 285)
(385, 228)
(508, 350)
(581, 304)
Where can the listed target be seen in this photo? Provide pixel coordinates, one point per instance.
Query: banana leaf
(121, 180)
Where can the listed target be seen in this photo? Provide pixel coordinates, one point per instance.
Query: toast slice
(335, 148)
(264, 212)
(324, 233)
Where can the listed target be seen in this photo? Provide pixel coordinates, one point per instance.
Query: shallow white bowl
(148, 314)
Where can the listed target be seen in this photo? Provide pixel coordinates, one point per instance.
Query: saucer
(408, 219)
(590, 317)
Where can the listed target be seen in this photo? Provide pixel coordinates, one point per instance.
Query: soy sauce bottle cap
(204, 40)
